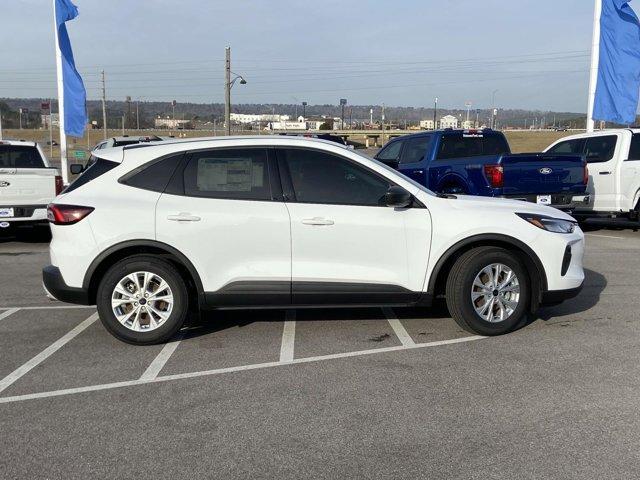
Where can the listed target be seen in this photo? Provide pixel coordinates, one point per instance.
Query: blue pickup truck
(480, 162)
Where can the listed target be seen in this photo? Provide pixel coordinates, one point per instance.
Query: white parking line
(11, 311)
(398, 328)
(219, 371)
(46, 353)
(153, 370)
(604, 236)
(47, 307)
(288, 337)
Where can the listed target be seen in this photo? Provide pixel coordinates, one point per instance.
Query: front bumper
(55, 286)
(554, 297)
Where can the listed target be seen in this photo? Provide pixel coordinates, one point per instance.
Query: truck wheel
(488, 291)
(142, 300)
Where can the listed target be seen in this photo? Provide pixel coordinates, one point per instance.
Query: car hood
(486, 204)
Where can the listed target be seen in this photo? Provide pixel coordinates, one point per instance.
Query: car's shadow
(28, 235)
(598, 224)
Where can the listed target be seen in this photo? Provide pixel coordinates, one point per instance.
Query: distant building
(252, 118)
(468, 124)
(426, 124)
(449, 121)
(48, 119)
(173, 123)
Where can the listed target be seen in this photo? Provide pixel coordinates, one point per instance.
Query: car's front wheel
(488, 291)
(142, 300)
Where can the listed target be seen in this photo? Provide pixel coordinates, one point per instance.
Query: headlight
(549, 224)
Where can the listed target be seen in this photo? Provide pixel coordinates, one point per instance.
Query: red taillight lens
(495, 175)
(585, 178)
(59, 185)
(66, 214)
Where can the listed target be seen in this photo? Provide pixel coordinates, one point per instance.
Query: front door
(224, 213)
(347, 247)
(601, 153)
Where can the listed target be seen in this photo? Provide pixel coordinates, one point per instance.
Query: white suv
(149, 232)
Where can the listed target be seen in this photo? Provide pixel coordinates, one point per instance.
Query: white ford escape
(151, 232)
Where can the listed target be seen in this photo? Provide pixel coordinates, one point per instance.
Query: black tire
(150, 264)
(459, 286)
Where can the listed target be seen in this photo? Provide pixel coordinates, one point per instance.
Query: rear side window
(600, 149)
(98, 166)
(415, 149)
(238, 174)
(18, 156)
(391, 151)
(153, 176)
(494, 145)
(569, 146)
(634, 149)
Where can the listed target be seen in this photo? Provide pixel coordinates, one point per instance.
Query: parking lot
(361, 393)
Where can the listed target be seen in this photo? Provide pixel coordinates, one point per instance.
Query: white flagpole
(63, 135)
(595, 59)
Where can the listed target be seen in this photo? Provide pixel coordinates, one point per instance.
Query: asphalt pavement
(335, 394)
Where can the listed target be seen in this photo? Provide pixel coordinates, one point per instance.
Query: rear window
(96, 167)
(18, 156)
(469, 145)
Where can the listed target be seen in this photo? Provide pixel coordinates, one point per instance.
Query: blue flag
(75, 95)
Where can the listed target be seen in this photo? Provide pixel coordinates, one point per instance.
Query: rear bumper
(561, 201)
(26, 214)
(554, 297)
(55, 287)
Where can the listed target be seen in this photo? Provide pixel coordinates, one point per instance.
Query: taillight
(66, 214)
(585, 175)
(59, 185)
(495, 175)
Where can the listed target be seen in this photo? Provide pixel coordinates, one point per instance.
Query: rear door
(601, 152)
(223, 210)
(24, 177)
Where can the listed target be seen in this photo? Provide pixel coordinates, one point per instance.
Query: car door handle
(605, 173)
(183, 217)
(418, 172)
(317, 221)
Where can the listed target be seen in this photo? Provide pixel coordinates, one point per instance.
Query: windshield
(18, 156)
(396, 172)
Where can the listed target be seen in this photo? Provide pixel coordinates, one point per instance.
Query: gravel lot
(365, 393)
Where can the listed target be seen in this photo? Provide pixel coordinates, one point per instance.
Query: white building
(426, 124)
(449, 121)
(468, 124)
(173, 123)
(253, 118)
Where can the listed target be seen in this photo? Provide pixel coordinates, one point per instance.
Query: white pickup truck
(613, 158)
(27, 184)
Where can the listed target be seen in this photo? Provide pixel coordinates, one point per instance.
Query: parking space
(240, 389)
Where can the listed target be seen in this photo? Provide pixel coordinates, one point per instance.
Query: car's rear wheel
(142, 300)
(488, 291)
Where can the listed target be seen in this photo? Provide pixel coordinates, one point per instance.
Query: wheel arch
(535, 269)
(133, 247)
(453, 178)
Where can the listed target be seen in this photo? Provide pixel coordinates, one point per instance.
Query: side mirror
(398, 197)
(76, 168)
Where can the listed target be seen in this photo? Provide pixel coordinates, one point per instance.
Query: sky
(534, 54)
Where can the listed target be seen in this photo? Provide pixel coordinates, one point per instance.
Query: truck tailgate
(539, 173)
(27, 186)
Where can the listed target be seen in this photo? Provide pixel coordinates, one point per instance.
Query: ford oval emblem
(545, 171)
(4, 184)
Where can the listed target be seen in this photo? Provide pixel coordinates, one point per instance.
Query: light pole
(468, 105)
(343, 102)
(493, 109)
(435, 113)
(304, 110)
(228, 84)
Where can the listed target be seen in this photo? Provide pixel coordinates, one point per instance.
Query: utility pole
(343, 102)
(304, 110)
(227, 91)
(435, 113)
(104, 107)
(20, 121)
(123, 125)
(382, 125)
(1, 124)
(50, 129)
(137, 115)
(493, 109)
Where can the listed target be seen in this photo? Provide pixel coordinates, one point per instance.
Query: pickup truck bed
(480, 163)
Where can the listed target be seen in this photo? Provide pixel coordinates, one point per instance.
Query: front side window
(239, 174)
(415, 149)
(600, 149)
(320, 177)
(568, 146)
(391, 151)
